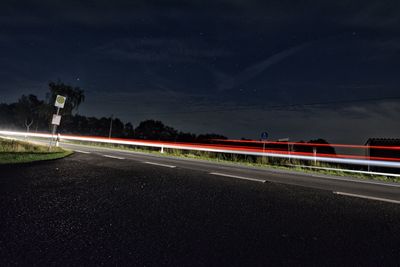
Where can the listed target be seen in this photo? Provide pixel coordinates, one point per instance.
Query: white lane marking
(353, 180)
(80, 151)
(368, 197)
(238, 177)
(158, 164)
(346, 170)
(112, 157)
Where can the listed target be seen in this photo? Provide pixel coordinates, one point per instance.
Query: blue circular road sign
(264, 136)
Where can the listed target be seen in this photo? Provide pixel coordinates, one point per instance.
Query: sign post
(56, 120)
(264, 137)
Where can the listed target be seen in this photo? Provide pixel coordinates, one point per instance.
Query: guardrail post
(58, 140)
(263, 156)
(315, 155)
(369, 158)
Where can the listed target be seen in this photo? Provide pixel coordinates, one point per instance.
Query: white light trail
(208, 148)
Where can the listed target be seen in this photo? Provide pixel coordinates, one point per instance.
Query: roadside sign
(264, 136)
(60, 101)
(56, 119)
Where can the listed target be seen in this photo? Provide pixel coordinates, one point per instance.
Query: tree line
(32, 114)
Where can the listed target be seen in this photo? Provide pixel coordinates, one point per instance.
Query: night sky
(236, 67)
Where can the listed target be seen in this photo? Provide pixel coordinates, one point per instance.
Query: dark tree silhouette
(208, 137)
(155, 130)
(319, 149)
(129, 131)
(7, 116)
(28, 111)
(75, 96)
(186, 137)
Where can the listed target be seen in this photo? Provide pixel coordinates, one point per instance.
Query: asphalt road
(103, 207)
(383, 191)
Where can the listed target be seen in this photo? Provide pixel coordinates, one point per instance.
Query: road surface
(104, 207)
(382, 191)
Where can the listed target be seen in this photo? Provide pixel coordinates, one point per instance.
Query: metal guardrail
(338, 159)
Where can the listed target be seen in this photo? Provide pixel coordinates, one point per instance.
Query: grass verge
(15, 151)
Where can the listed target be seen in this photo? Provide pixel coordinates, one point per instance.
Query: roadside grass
(15, 151)
(251, 161)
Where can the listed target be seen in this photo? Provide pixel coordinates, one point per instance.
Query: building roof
(383, 142)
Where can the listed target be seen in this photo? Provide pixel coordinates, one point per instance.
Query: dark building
(391, 153)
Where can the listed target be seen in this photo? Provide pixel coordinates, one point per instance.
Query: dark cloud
(160, 49)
